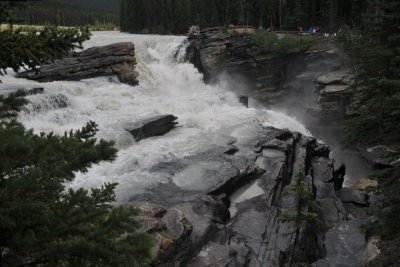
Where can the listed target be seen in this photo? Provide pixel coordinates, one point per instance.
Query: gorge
(211, 189)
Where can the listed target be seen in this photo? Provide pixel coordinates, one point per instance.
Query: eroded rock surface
(114, 59)
(202, 190)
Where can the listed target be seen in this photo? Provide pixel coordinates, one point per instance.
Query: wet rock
(35, 91)
(203, 188)
(244, 100)
(169, 227)
(153, 126)
(379, 157)
(215, 255)
(338, 177)
(114, 59)
(215, 51)
(338, 77)
(348, 195)
(345, 244)
(40, 102)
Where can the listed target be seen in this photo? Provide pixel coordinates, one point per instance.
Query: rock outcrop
(275, 79)
(152, 126)
(115, 59)
(227, 202)
(214, 51)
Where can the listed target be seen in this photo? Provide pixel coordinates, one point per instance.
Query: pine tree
(42, 223)
(376, 65)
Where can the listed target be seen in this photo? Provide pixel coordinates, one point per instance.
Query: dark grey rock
(201, 188)
(244, 100)
(35, 91)
(114, 59)
(379, 157)
(348, 195)
(153, 126)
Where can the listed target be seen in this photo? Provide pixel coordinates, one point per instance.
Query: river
(207, 114)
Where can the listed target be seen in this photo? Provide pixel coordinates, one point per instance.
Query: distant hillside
(70, 12)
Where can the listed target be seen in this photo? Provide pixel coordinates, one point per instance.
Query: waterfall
(207, 114)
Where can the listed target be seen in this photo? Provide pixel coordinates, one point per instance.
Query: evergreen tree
(37, 47)
(42, 223)
(176, 16)
(375, 51)
(376, 65)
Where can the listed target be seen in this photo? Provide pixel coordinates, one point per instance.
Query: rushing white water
(207, 114)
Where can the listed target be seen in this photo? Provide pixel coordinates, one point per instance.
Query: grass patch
(270, 42)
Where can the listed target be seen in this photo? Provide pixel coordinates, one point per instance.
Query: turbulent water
(207, 114)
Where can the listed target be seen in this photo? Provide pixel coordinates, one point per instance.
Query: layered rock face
(213, 52)
(276, 79)
(115, 59)
(223, 207)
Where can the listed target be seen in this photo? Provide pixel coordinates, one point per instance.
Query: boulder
(114, 59)
(152, 126)
(348, 195)
(379, 157)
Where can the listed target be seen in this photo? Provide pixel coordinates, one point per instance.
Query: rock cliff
(272, 78)
(115, 59)
(230, 215)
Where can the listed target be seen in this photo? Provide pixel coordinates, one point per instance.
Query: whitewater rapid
(207, 114)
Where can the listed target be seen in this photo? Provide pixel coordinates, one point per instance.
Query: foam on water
(167, 86)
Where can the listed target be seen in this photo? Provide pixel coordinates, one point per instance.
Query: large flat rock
(114, 59)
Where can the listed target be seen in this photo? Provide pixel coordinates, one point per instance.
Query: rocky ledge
(114, 59)
(224, 206)
(214, 51)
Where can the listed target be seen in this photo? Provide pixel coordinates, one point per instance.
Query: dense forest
(175, 16)
(68, 13)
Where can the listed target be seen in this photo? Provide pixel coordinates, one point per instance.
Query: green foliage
(375, 52)
(176, 16)
(7, 8)
(102, 27)
(265, 40)
(306, 206)
(41, 223)
(294, 44)
(387, 214)
(68, 12)
(34, 48)
(375, 59)
(269, 42)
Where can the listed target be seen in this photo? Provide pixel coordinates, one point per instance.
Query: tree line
(176, 16)
(59, 13)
